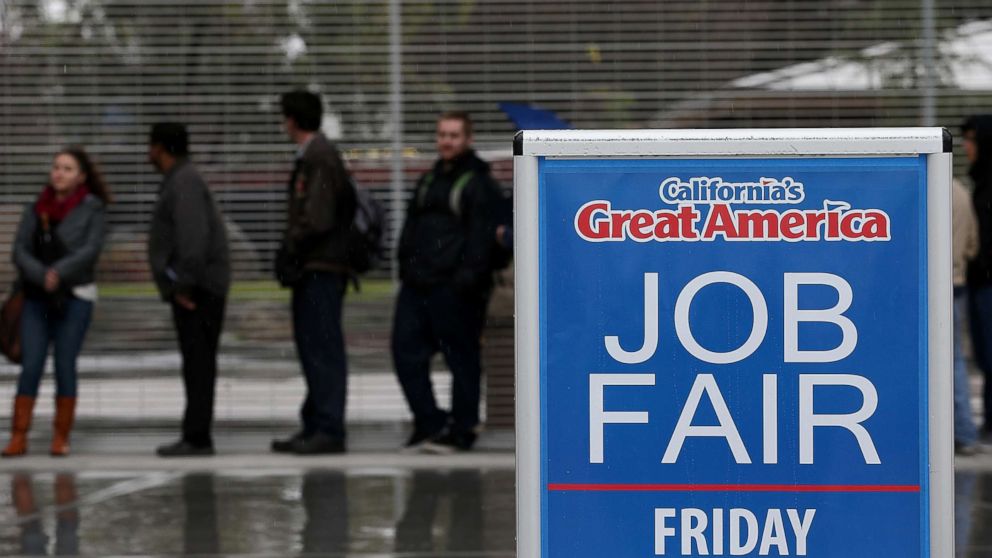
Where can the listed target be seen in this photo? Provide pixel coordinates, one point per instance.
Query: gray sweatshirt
(187, 242)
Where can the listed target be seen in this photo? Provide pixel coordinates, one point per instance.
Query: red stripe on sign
(558, 487)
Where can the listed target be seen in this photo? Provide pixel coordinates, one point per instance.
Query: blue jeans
(41, 328)
(965, 432)
(318, 300)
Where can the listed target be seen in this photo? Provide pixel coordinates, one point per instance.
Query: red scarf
(56, 209)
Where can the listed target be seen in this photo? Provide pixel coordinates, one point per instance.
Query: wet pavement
(453, 513)
(382, 512)
(973, 513)
(463, 513)
(114, 498)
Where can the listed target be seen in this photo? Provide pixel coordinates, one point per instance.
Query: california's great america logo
(705, 211)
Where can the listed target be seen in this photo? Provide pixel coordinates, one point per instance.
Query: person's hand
(504, 236)
(185, 302)
(52, 280)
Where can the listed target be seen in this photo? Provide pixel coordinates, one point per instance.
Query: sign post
(734, 343)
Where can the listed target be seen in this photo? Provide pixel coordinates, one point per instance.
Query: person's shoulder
(188, 170)
(93, 203)
(482, 176)
(189, 177)
(320, 149)
(479, 167)
(27, 213)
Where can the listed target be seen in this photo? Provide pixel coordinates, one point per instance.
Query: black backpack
(367, 236)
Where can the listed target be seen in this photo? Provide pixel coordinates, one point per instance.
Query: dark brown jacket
(321, 208)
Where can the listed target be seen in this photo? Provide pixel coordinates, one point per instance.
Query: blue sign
(734, 357)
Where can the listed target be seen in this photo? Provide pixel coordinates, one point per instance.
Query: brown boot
(20, 423)
(65, 412)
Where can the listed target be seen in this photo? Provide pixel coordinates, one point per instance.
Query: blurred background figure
(977, 141)
(188, 254)
(965, 247)
(58, 242)
(445, 258)
(313, 262)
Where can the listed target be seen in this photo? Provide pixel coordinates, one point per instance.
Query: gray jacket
(81, 232)
(187, 242)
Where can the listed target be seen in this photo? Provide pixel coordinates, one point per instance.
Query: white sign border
(528, 146)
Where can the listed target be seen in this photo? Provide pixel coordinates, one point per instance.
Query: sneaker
(450, 441)
(419, 439)
(286, 446)
(182, 448)
(319, 444)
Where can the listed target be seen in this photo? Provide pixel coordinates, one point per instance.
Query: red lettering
(876, 226)
(687, 219)
(792, 225)
(813, 220)
(847, 225)
(618, 222)
(667, 226)
(590, 222)
(757, 224)
(720, 221)
(641, 226)
(833, 226)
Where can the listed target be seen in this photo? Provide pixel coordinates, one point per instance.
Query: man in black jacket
(313, 261)
(445, 255)
(187, 250)
(977, 132)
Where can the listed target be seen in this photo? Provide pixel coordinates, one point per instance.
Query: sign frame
(530, 146)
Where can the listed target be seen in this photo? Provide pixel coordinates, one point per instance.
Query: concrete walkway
(370, 447)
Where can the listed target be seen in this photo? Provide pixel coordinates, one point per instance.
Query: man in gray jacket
(187, 250)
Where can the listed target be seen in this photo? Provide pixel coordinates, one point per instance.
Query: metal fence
(99, 72)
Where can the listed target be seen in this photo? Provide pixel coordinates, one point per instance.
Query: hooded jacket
(450, 226)
(980, 270)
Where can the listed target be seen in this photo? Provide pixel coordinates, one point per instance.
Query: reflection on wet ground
(401, 513)
(463, 513)
(973, 514)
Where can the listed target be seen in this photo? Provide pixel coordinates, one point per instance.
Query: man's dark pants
(433, 319)
(318, 299)
(199, 331)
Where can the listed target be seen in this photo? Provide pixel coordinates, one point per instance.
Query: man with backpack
(314, 262)
(447, 253)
